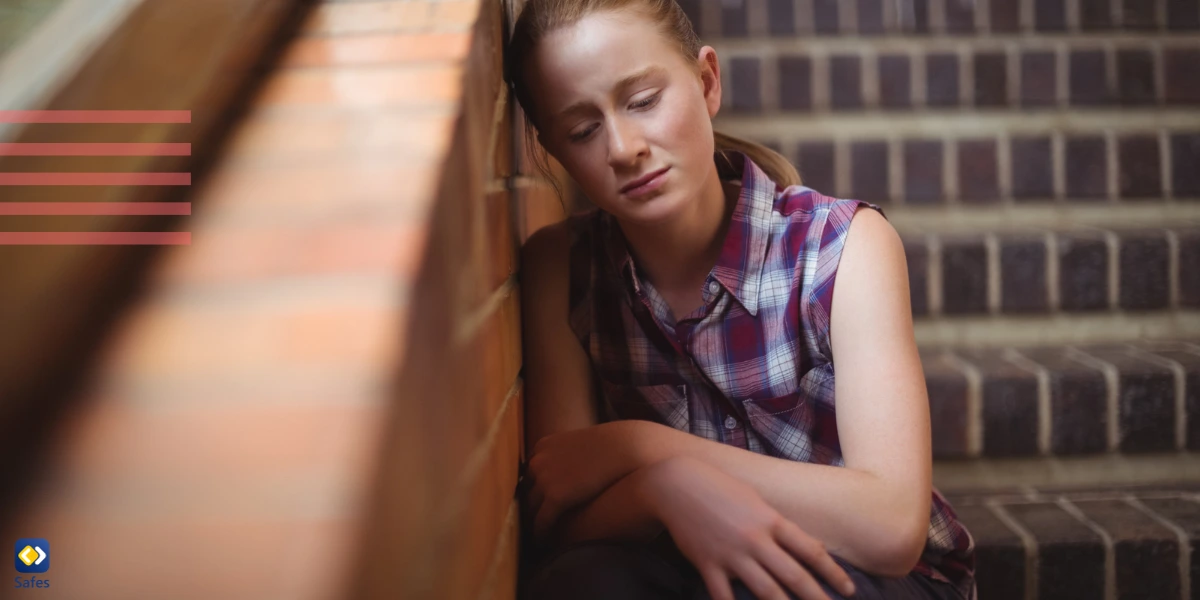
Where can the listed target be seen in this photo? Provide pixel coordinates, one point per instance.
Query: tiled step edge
(1077, 270)
(1086, 544)
(987, 161)
(1064, 401)
(799, 76)
(785, 18)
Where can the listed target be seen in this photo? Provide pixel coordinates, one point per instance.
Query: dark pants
(611, 570)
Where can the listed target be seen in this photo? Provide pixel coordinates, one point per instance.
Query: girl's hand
(571, 468)
(727, 530)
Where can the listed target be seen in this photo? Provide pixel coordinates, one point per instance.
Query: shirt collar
(739, 266)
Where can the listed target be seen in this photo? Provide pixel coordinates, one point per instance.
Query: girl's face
(615, 103)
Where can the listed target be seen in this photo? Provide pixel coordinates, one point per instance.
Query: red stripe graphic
(95, 179)
(86, 238)
(95, 116)
(89, 238)
(95, 208)
(114, 149)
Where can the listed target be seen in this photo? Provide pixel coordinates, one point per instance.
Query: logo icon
(32, 555)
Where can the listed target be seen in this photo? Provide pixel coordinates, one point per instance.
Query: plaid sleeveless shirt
(752, 367)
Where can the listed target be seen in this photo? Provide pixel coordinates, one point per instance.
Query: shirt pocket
(666, 404)
(791, 427)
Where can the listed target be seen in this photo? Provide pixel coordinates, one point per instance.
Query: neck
(680, 253)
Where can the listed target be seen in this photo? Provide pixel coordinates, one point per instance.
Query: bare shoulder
(871, 237)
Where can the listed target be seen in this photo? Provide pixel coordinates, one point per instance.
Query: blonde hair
(539, 18)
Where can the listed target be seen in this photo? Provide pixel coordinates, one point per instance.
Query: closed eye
(647, 101)
(650, 101)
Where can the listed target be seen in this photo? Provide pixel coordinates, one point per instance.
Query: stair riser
(739, 18)
(1074, 271)
(1064, 401)
(1130, 545)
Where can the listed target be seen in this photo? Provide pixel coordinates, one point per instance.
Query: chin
(663, 207)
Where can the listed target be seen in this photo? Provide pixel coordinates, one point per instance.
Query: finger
(758, 580)
(787, 571)
(717, 583)
(814, 556)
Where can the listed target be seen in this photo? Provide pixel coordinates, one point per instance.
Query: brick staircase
(1041, 160)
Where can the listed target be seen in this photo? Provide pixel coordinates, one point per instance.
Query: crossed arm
(874, 512)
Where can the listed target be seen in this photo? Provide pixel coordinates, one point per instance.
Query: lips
(642, 180)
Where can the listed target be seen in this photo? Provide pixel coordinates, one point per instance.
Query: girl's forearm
(873, 524)
(626, 510)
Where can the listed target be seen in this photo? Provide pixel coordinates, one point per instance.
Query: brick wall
(320, 396)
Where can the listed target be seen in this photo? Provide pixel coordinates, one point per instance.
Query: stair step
(975, 480)
(1078, 543)
(847, 75)
(1038, 271)
(1063, 400)
(1025, 331)
(990, 160)
(869, 19)
(1011, 216)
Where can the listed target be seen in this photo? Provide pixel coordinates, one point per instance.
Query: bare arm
(874, 512)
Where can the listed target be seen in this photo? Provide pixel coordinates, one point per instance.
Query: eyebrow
(625, 82)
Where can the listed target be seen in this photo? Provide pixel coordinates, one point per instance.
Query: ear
(710, 79)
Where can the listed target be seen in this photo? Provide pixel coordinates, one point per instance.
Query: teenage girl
(708, 415)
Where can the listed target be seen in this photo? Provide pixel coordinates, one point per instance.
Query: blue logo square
(32, 555)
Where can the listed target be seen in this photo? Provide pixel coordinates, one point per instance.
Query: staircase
(1041, 161)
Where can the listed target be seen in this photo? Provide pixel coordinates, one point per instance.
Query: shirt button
(730, 422)
(713, 287)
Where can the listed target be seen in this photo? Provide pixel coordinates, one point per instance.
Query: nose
(625, 143)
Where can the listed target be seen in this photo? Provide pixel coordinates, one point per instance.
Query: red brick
(1095, 15)
(1179, 72)
(746, 80)
(220, 441)
(845, 82)
(991, 79)
(816, 161)
(317, 189)
(960, 16)
(1140, 167)
(261, 329)
(869, 171)
(248, 254)
(1039, 79)
(334, 18)
(1087, 168)
(1005, 16)
(978, 180)
(364, 87)
(1135, 77)
(375, 49)
(895, 81)
(923, 170)
(733, 19)
(1050, 15)
(1183, 15)
(453, 14)
(1139, 14)
(795, 83)
(1089, 77)
(825, 16)
(279, 137)
(942, 80)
